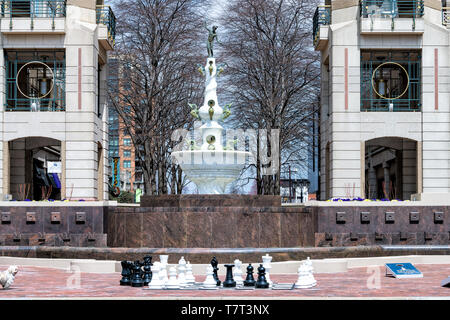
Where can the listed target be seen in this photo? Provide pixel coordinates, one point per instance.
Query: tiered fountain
(211, 166)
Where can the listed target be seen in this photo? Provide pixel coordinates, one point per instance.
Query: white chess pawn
(209, 282)
(237, 272)
(163, 258)
(182, 275)
(305, 278)
(190, 279)
(266, 264)
(156, 282)
(173, 282)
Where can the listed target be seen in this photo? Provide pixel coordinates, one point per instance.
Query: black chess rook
(126, 273)
(229, 281)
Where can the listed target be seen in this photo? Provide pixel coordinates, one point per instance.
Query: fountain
(211, 166)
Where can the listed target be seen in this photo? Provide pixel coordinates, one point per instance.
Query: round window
(34, 80)
(390, 80)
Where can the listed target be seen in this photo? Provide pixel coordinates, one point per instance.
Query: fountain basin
(211, 170)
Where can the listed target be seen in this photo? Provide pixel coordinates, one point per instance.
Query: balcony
(321, 20)
(446, 16)
(106, 27)
(392, 16)
(36, 16)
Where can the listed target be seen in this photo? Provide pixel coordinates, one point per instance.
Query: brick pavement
(38, 282)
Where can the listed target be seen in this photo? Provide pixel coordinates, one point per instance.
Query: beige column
(63, 170)
(419, 168)
(363, 169)
(5, 168)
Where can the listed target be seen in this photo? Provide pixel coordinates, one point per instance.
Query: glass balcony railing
(322, 16)
(106, 16)
(392, 8)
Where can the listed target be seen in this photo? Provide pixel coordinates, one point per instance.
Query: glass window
(127, 164)
(127, 142)
(127, 153)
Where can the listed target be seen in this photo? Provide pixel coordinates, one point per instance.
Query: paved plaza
(47, 283)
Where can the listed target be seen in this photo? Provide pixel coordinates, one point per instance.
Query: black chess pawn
(126, 273)
(214, 264)
(249, 281)
(229, 281)
(136, 279)
(261, 282)
(148, 274)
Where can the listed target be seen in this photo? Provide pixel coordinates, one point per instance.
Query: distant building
(120, 141)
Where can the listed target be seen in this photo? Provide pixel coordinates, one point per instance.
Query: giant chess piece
(214, 264)
(266, 264)
(237, 272)
(163, 258)
(136, 280)
(229, 281)
(261, 282)
(173, 282)
(126, 273)
(147, 276)
(305, 277)
(7, 277)
(249, 281)
(190, 279)
(182, 273)
(156, 282)
(210, 282)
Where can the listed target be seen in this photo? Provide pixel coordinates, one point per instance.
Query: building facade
(53, 96)
(385, 104)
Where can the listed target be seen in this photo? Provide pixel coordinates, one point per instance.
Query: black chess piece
(126, 273)
(249, 281)
(148, 274)
(229, 281)
(261, 282)
(214, 264)
(136, 279)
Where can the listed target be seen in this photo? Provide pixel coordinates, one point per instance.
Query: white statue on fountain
(211, 166)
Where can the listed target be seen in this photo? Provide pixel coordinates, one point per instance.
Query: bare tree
(157, 51)
(273, 77)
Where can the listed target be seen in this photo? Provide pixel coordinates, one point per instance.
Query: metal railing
(106, 16)
(392, 9)
(407, 98)
(33, 9)
(446, 16)
(322, 16)
(28, 99)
